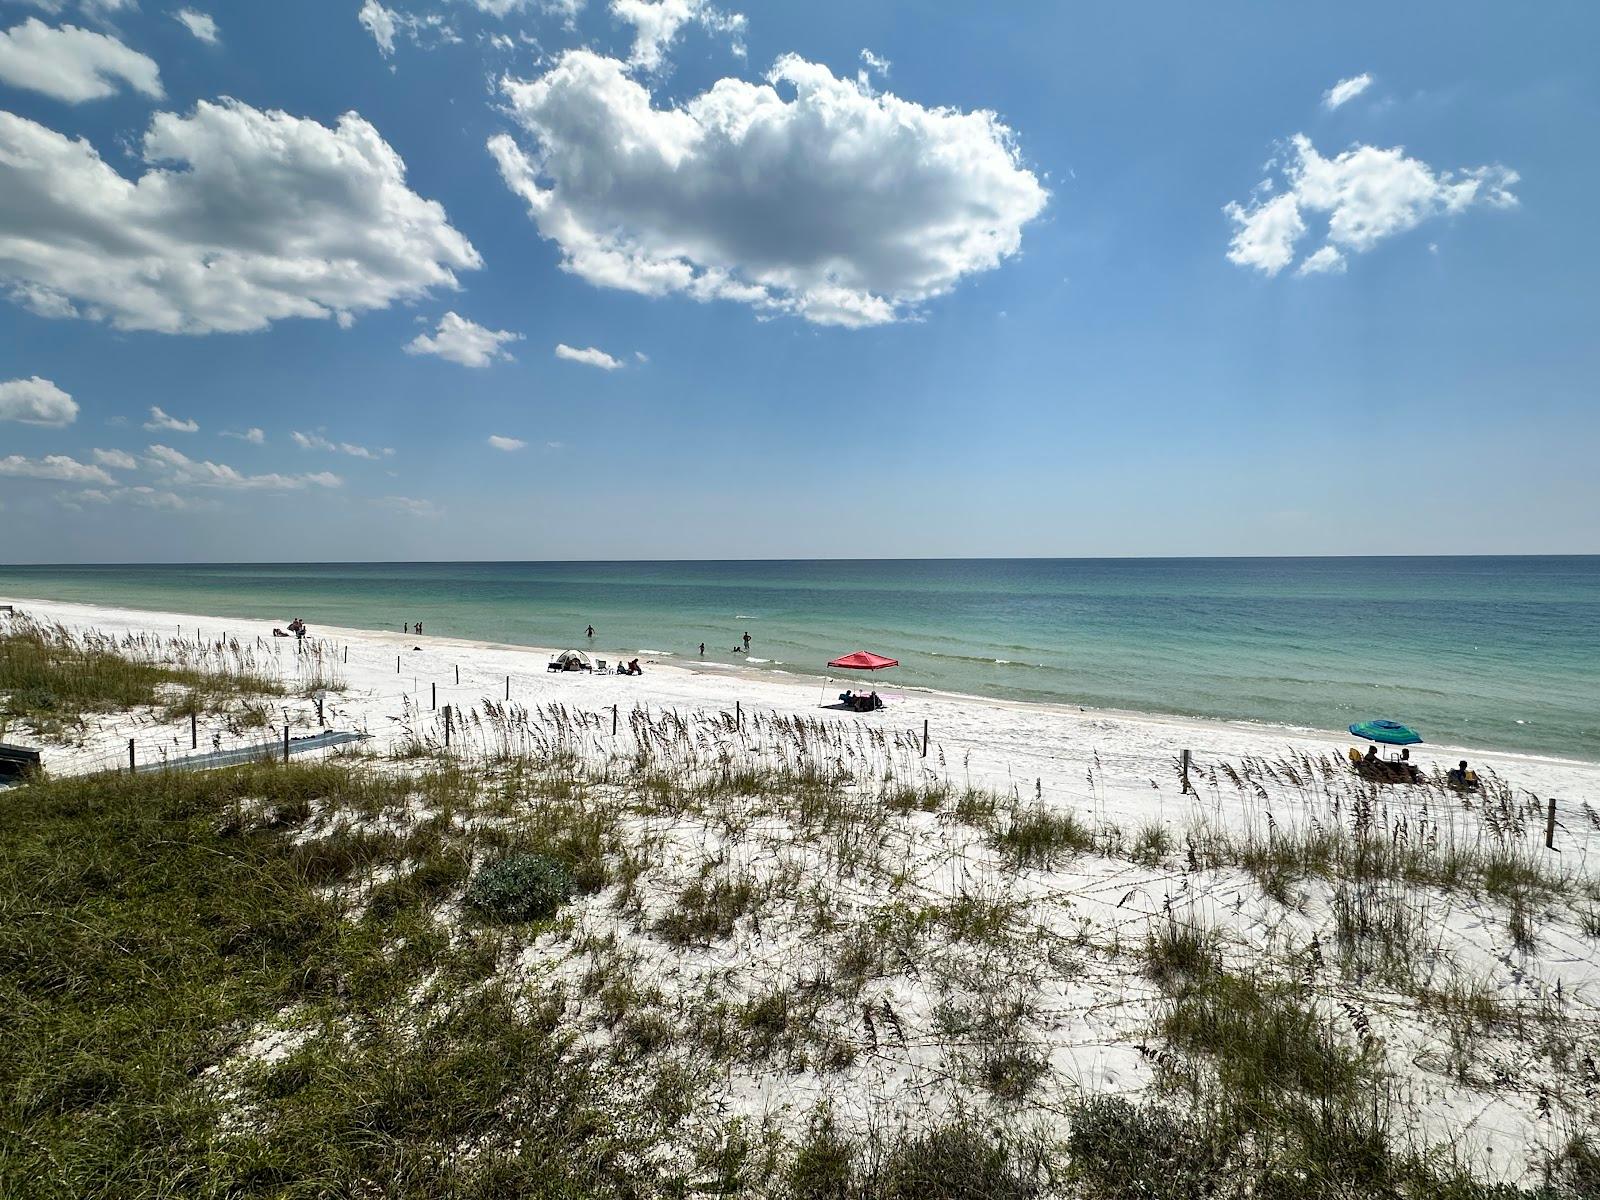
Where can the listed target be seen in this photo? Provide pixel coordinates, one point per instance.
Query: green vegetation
(520, 887)
(51, 677)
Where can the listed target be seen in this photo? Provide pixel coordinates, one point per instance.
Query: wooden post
(397, 664)
(1185, 770)
(347, 654)
(130, 756)
(434, 690)
(285, 743)
(924, 737)
(508, 687)
(194, 731)
(1550, 826)
(447, 725)
(458, 674)
(738, 715)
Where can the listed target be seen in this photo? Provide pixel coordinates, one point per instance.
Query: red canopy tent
(864, 660)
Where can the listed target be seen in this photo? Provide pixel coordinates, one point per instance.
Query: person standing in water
(702, 649)
(747, 641)
(591, 631)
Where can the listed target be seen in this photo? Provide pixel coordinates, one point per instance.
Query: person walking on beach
(747, 641)
(591, 631)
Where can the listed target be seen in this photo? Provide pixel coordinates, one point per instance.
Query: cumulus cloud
(463, 341)
(36, 401)
(53, 466)
(73, 64)
(198, 23)
(161, 420)
(261, 216)
(1345, 90)
(842, 206)
(315, 441)
(181, 469)
(657, 23)
(141, 496)
(380, 23)
(506, 443)
(119, 460)
(1367, 194)
(590, 357)
(252, 435)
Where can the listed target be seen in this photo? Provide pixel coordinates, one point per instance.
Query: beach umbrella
(1390, 733)
(864, 660)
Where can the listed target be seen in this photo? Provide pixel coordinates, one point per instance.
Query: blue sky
(1021, 280)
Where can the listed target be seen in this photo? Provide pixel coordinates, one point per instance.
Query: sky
(555, 279)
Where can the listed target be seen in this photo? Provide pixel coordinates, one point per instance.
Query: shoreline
(801, 682)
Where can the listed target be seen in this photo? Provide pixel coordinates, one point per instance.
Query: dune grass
(52, 677)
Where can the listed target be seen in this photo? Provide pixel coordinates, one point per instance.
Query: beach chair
(600, 667)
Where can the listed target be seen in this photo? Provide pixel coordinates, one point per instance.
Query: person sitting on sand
(276, 632)
(633, 668)
(1371, 755)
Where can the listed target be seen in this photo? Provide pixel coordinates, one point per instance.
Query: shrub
(1117, 1149)
(521, 887)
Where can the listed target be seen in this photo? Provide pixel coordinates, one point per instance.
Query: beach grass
(547, 963)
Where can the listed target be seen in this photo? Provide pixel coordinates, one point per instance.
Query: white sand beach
(1116, 769)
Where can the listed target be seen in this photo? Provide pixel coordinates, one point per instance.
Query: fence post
(924, 737)
(194, 731)
(130, 756)
(1185, 770)
(434, 690)
(613, 720)
(447, 724)
(1550, 826)
(347, 654)
(285, 743)
(458, 674)
(738, 715)
(508, 687)
(397, 664)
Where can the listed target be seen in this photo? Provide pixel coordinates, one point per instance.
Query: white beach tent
(571, 660)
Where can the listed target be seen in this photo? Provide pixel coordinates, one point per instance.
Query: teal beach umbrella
(1390, 733)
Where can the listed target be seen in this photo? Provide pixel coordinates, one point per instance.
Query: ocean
(1499, 652)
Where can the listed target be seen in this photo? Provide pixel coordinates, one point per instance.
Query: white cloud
(463, 341)
(1345, 90)
(656, 24)
(387, 24)
(36, 401)
(506, 443)
(197, 23)
(53, 466)
(263, 216)
(73, 64)
(252, 435)
(1326, 261)
(160, 420)
(142, 496)
(411, 507)
(590, 357)
(873, 62)
(845, 207)
(1368, 195)
(379, 22)
(119, 460)
(315, 441)
(99, 10)
(181, 469)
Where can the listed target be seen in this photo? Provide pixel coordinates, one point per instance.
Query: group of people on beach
(296, 627)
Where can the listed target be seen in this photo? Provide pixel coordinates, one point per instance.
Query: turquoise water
(1495, 652)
